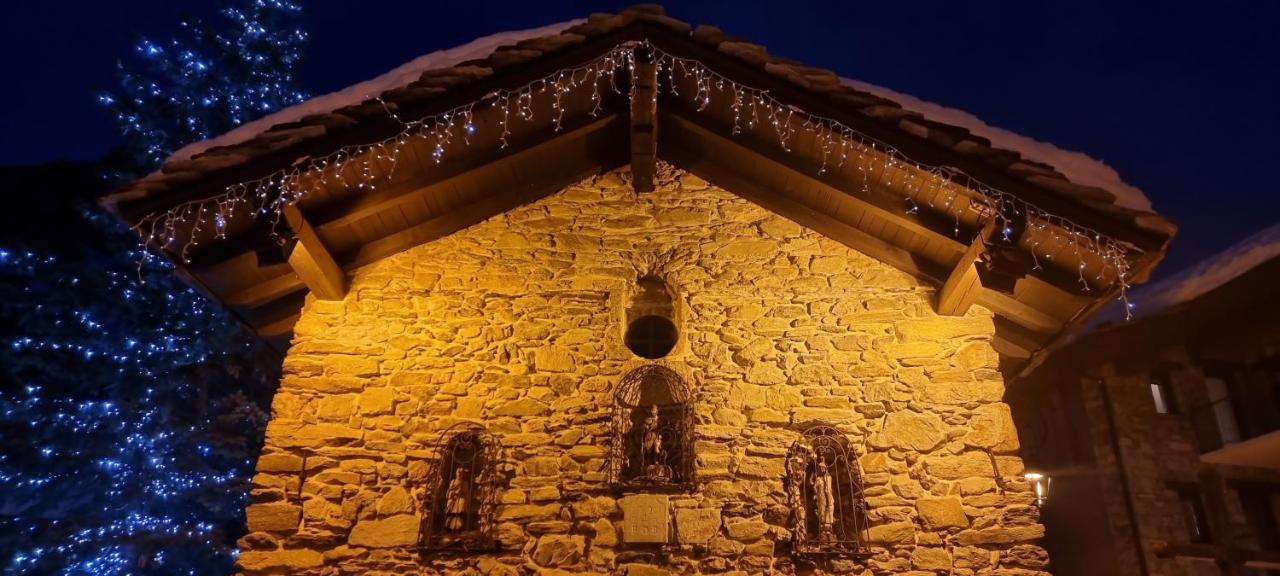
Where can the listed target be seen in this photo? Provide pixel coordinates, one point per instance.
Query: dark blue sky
(1183, 99)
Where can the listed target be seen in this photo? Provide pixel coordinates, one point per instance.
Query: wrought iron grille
(462, 487)
(824, 491)
(652, 440)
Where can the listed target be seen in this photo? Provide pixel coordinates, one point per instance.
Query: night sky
(1183, 100)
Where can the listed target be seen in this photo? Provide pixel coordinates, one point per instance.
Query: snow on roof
(402, 75)
(1202, 277)
(1211, 273)
(1076, 166)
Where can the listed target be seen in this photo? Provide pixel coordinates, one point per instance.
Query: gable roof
(1076, 166)
(1189, 286)
(401, 76)
(927, 236)
(1211, 273)
(1229, 301)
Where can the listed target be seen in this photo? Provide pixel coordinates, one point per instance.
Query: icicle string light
(835, 139)
(362, 166)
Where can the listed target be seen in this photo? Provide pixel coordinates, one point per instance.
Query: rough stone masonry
(517, 323)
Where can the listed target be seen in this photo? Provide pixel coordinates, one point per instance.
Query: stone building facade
(1163, 436)
(517, 324)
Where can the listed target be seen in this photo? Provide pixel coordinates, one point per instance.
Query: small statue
(824, 501)
(795, 498)
(456, 500)
(652, 454)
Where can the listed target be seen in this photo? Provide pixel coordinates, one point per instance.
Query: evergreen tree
(205, 82)
(130, 415)
(132, 409)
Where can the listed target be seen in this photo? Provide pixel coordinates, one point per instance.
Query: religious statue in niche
(459, 505)
(652, 435)
(458, 500)
(653, 460)
(824, 502)
(824, 491)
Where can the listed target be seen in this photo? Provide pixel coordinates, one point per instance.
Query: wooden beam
(278, 327)
(963, 286)
(920, 150)
(524, 178)
(264, 292)
(750, 175)
(1014, 339)
(644, 113)
(726, 176)
(312, 261)
(677, 126)
(374, 127)
(1010, 348)
(359, 206)
(1023, 314)
(277, 317)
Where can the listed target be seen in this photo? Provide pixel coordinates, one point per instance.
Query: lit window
(1162, 393)
(1158, 394)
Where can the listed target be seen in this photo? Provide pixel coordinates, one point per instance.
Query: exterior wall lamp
(1040, 485)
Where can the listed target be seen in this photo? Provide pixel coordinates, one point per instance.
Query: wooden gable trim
(520, 178)
(644, 119)
(376, 126)
(520, 175)
(311, 260)
(920, 244)
(711, 144)
(923, 151)
(807, 216)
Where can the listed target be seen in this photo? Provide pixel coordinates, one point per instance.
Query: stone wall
(1119, 462)
(1158, 452)
(516, 323)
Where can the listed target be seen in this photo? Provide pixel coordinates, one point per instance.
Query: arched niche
(462, 488)
(652, 436)
(824, 492)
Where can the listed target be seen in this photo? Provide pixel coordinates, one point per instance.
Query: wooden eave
(250, 271)
(1228, 317)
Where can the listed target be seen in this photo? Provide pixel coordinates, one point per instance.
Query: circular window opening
(651, 336)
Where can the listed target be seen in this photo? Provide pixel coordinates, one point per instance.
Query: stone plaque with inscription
(646, 519)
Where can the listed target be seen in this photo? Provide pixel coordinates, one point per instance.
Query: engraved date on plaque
(646, 519)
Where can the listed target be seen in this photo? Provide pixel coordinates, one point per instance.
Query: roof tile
(434, 82)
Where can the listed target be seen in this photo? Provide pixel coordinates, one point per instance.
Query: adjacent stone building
(623, 296)
(1163, 434)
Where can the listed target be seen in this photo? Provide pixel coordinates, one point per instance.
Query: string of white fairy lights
(836, 139)
(268, 196)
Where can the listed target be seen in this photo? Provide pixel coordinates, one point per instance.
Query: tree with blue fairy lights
(131, 408)
(205, 82)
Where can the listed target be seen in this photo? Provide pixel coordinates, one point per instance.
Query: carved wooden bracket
(312, 261)
(963, 286)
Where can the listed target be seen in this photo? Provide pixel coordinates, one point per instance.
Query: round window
(651, 336)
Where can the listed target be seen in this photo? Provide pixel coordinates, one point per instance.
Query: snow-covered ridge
(1210, 273)
(402, 75)
(1076, 166)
